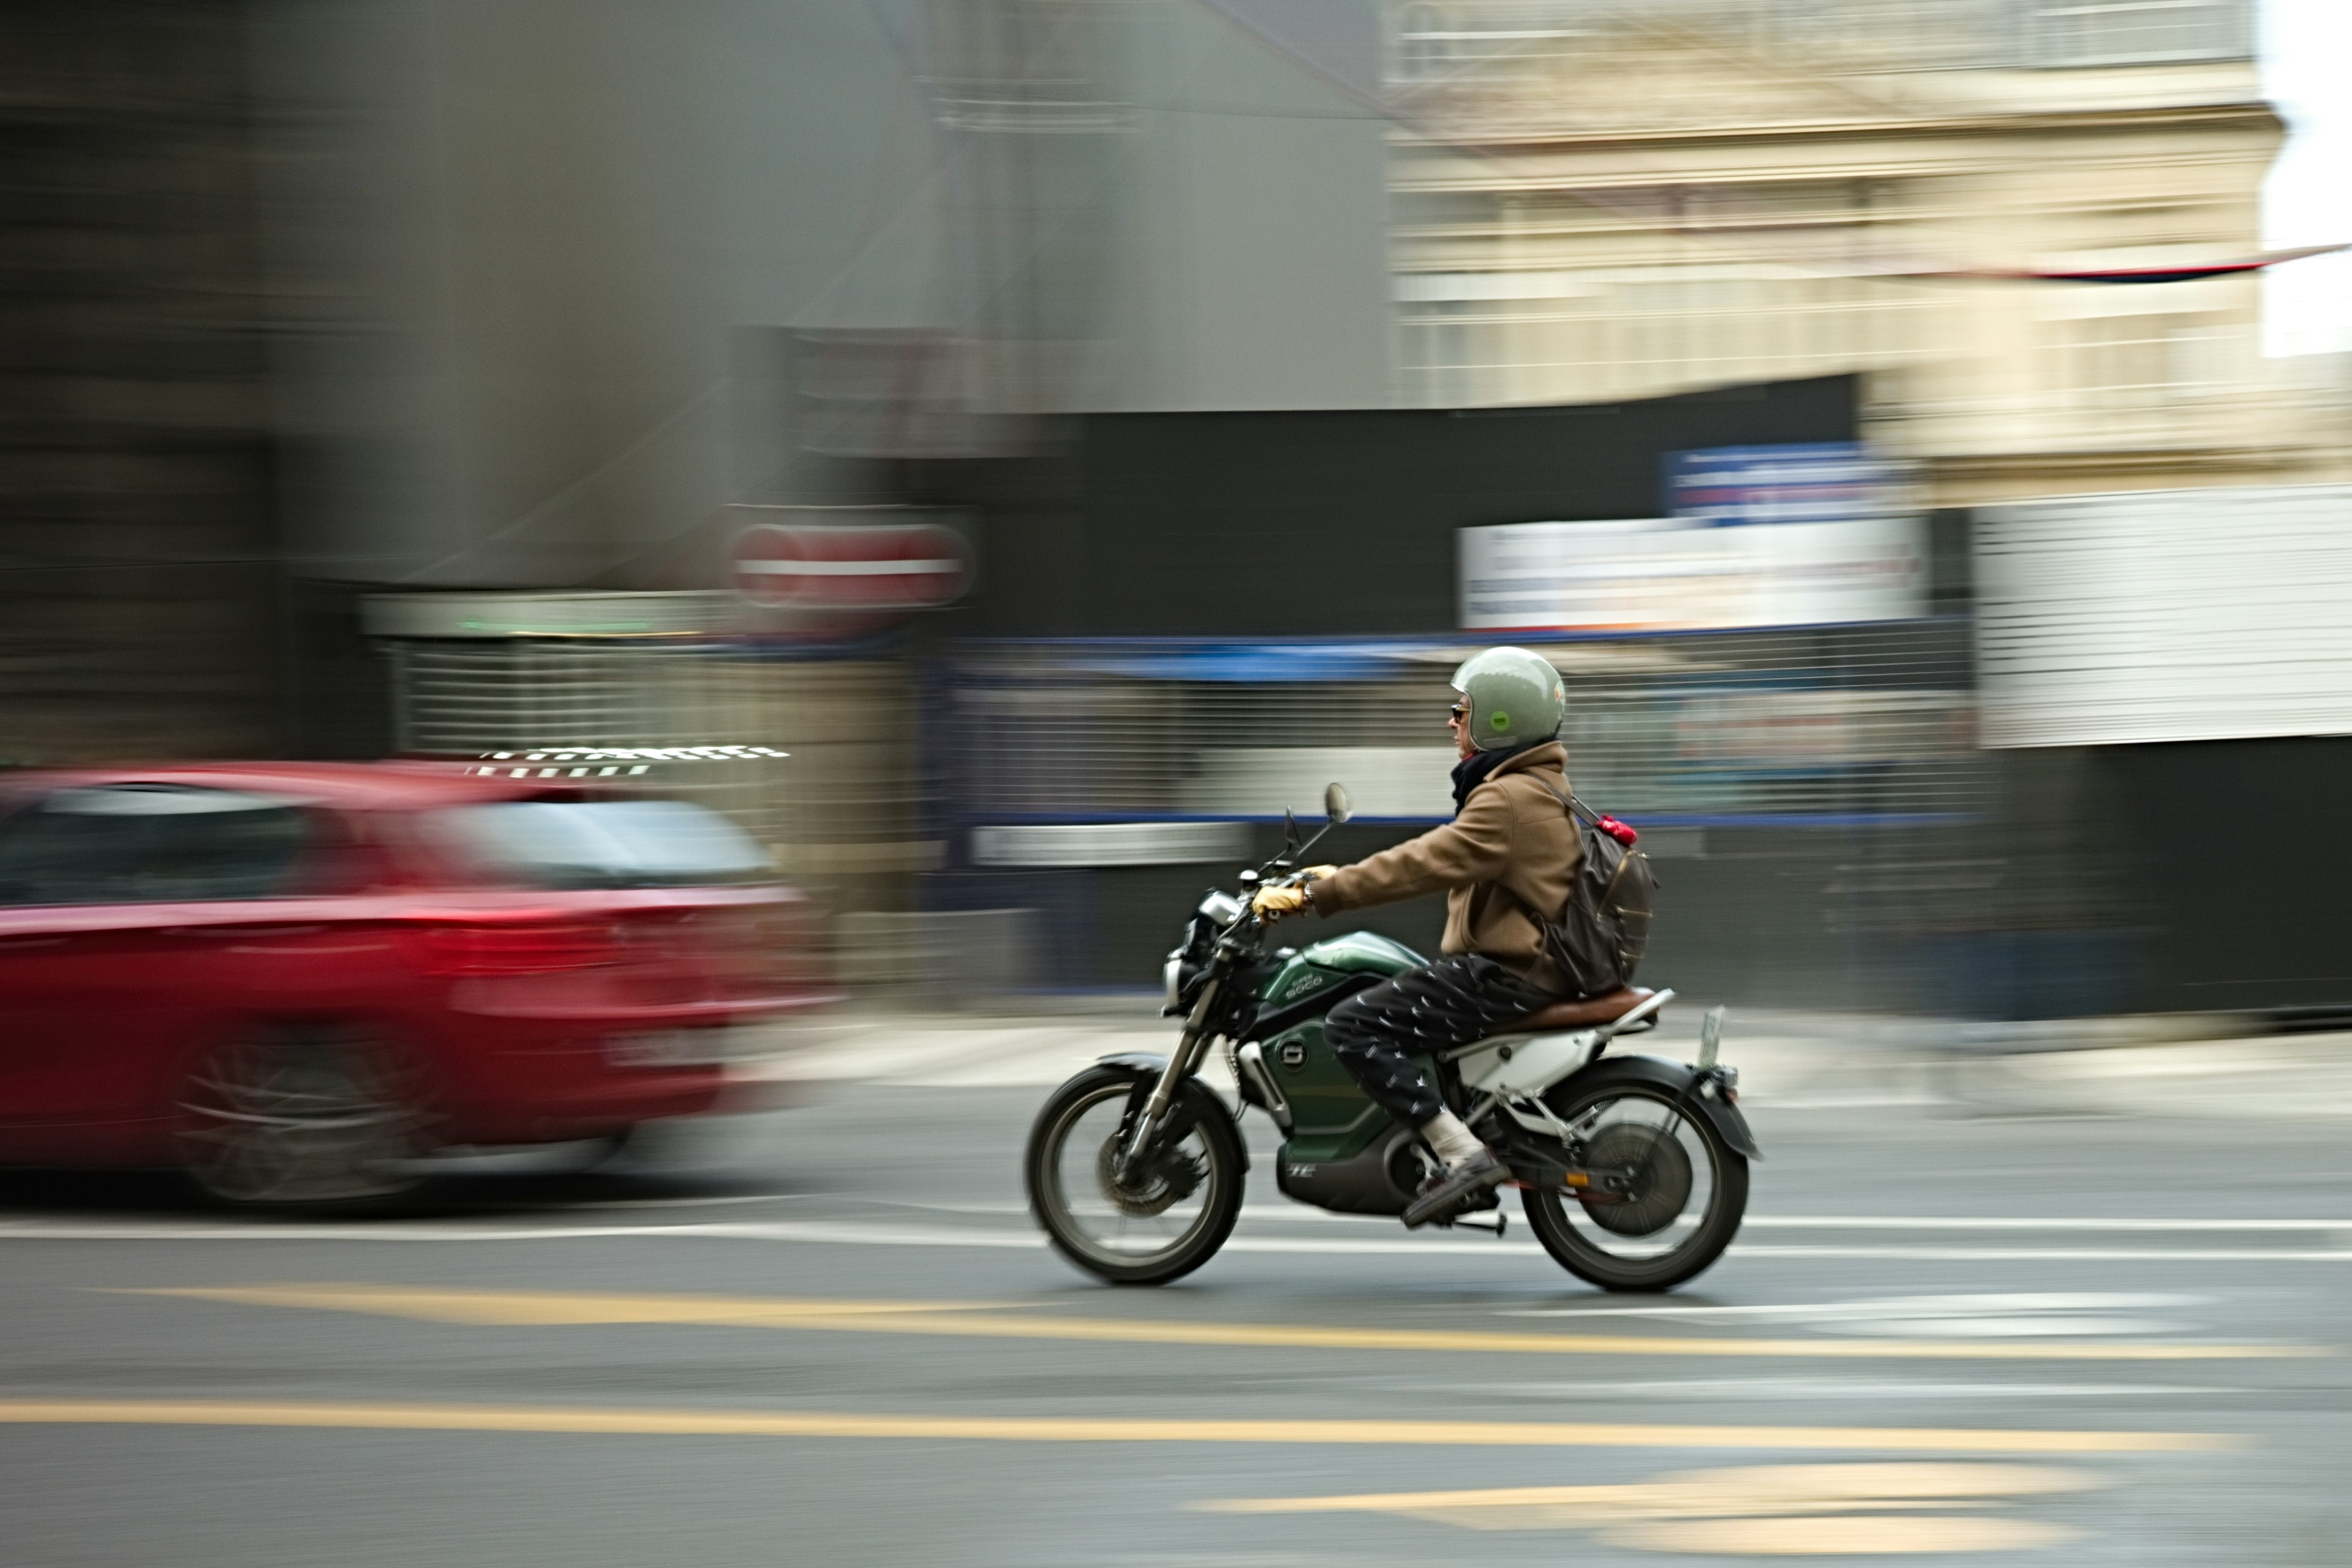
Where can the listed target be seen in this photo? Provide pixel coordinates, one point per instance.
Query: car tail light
(519, 947)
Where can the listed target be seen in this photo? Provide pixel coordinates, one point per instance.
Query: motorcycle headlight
(1173, 977)
(1221, 908)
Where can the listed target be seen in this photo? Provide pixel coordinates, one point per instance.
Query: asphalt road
(830, 1335)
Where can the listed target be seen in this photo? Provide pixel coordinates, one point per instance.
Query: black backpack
(1597, 940)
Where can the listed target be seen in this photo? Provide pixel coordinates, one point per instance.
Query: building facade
(1595, 201)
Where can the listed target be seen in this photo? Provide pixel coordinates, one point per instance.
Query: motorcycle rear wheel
(1696, 1163)
(1133, 1233)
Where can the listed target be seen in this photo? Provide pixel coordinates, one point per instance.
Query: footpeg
(1494, 1220)
(1467, 1186)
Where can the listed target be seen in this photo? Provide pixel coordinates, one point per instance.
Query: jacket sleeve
(1474, 848)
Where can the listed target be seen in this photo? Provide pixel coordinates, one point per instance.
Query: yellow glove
(1273, 904)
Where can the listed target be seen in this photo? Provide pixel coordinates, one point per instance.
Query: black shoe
(1457, 1189)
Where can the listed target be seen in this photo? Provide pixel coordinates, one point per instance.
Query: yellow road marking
(1850, 1536)
(1757, 1510)
(1748, 1491)
(979, 1319)
(1078, 1429)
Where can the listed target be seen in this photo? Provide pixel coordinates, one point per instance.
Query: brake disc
(1661, 1172)
(1167, 1179)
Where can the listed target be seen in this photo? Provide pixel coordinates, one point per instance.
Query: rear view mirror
(1335, 803)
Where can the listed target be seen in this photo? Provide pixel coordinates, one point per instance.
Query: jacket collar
(1483, 766)
(1550, 754)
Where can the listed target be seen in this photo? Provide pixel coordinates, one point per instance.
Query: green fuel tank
(1330, 1117)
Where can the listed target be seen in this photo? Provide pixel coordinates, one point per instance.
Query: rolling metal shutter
(2166, 616)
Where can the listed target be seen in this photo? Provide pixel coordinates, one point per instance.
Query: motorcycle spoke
(1146, 1215)
(1670, 1165)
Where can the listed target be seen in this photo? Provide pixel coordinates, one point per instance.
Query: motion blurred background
(1073, 431)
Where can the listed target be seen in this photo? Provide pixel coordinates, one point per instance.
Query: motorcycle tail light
(518, 947)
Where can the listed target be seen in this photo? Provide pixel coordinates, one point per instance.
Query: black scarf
(1472, 771)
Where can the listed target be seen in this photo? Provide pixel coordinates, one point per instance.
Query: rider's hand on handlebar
(1273, 904)
(1288, 896)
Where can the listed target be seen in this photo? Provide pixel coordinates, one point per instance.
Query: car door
(111, 897)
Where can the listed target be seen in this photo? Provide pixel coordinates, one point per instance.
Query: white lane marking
(2037, 1222)
(782, 1230)
(2055, 1254)
(1290, 1213)
(849, 1234)
(916, 1235)
(1814, 1388)
(696, 1203)
(1896, 1222)
(1886, 1306)
(1277, 1215)
(2003, 1315)
(932, 1209)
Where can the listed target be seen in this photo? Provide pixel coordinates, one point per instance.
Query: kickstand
(1494, 1220)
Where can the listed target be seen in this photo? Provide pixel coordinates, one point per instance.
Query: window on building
(1489, 41)
(2064, 33)
(1541, 334)
(2112, 360)
(1424, 43)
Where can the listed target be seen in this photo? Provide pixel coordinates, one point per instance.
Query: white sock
(1452, 1142)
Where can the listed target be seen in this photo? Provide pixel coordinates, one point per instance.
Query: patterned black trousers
(1449, 1002)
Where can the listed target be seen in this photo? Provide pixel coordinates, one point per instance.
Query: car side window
(130, 844)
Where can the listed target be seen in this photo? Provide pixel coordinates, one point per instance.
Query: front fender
(1145, 1070)
(1674, 1079)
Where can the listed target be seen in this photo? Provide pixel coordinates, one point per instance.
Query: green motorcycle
(1632, 1170)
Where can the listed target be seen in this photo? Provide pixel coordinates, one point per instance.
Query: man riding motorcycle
(1504, 863)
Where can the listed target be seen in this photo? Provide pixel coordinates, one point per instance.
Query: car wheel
(290, 1117)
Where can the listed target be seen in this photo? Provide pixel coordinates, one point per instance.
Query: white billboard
(2202, 614)
(1804, 534)
(1668, 574)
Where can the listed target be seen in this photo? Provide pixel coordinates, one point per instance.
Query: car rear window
(135, 844)
(607, 844)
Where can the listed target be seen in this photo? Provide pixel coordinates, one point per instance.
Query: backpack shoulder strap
(1576, 809)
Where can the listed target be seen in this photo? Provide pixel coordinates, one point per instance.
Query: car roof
(350, 786)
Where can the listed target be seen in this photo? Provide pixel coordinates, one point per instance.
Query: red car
(293, 979)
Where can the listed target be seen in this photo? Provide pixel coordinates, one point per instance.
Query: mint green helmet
(1515, 697)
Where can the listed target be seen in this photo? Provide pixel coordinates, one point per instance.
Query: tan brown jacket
(1513, 850)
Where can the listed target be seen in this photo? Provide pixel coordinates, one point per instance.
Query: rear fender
(1145, 1068)
(1674, 1079)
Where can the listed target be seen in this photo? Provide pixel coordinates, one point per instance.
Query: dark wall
(141, 603)
(1337, 523)
(2204, 876)
(1343, 523)
(2239, 859)
(1767, 917)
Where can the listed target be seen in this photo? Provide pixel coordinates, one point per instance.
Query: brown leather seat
(1582, 1012)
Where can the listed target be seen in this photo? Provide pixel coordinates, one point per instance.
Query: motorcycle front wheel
(1683, 1203)
(1156, 1224)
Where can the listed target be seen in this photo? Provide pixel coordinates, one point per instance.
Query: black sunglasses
(1457, 712)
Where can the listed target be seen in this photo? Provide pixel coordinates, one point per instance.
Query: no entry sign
(852, 566)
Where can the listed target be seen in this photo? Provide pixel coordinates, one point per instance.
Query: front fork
(1181, 1063)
